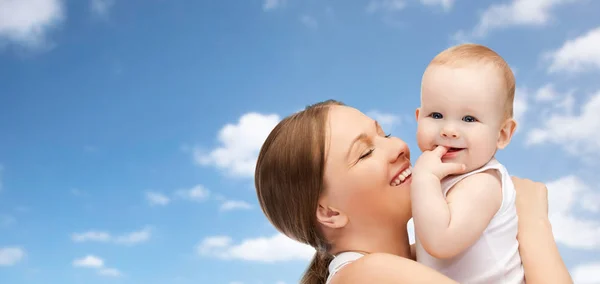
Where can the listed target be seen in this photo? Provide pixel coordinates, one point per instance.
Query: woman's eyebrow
(363, 137)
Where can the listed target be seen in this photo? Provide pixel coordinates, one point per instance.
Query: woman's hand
(540, 256)
(531, 201)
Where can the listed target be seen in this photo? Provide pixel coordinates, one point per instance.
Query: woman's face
(362, 170)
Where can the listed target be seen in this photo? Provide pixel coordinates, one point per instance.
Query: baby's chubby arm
(446, 227)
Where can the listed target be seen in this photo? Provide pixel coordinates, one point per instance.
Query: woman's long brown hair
(289, 181)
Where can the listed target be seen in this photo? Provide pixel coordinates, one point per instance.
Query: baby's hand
(430, 163)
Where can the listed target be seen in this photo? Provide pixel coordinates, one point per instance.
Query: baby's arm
(446, 227)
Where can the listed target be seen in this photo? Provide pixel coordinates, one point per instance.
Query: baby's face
(463, 109)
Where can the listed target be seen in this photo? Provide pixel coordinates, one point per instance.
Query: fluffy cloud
(565, 195)
(26, 22)
(385, 5)
(576, 55)
(229, 205)
(131, 238)
(155, 198)
(558, 128)
(240, 144)
(446, 4)
(520, 106)
(197, 193)
(386, 120)
(515, 13)
(276, 248)
(110, 272)
(94, 262)
(7, 220)
(309, 21)
(89, 261)
(10, 256)
(587, 273)
(134, 237)
(92, 236)
(272, 4)
(546, 94)
(101, 7)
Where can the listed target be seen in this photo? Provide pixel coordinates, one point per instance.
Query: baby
(463, 199)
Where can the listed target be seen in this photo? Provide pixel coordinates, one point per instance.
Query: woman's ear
(330, 217)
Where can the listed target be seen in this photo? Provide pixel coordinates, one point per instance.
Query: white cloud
(276, 248)
(564, 195)
(559, 129)
(10, 256)
(197, 193)
(515, 13)
(93, 236)
(240, 144)
(576, 55)
(446, 4)
(587, 273)
(7, 220)
(520, 106)
(230, 205)
(89, 261)
(386, 120)
(124, 239)
(26, 22)
(155, 198)
(546, 94)
(134, 237)
(385, 5)
(101, 7)
(94, 262)
(272, 4)
(309, 21)
(111, 272)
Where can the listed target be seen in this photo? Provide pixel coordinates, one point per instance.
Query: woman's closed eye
(366, 154)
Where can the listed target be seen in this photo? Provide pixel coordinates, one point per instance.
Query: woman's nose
(398, 149)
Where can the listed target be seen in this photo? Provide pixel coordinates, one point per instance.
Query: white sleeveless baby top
(494, 257)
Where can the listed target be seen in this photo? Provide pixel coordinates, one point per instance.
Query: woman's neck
(372, 240)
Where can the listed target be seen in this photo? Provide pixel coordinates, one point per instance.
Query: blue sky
(129, 129)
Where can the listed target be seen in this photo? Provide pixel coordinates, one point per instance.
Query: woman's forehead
(344, 124)
(346, 121)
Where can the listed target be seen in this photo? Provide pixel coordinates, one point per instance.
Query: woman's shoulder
(388, 268)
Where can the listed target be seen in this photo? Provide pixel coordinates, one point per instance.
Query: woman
(325, 176)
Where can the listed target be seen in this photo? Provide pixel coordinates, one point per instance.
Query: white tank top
(340, 261)
(494, 257)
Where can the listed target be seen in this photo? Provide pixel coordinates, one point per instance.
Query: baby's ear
(506, 132)
(417, 113)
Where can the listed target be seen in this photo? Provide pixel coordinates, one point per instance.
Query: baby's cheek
(425, 137)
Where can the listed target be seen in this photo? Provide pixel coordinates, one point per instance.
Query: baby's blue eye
(436, 115)
(469, 118)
